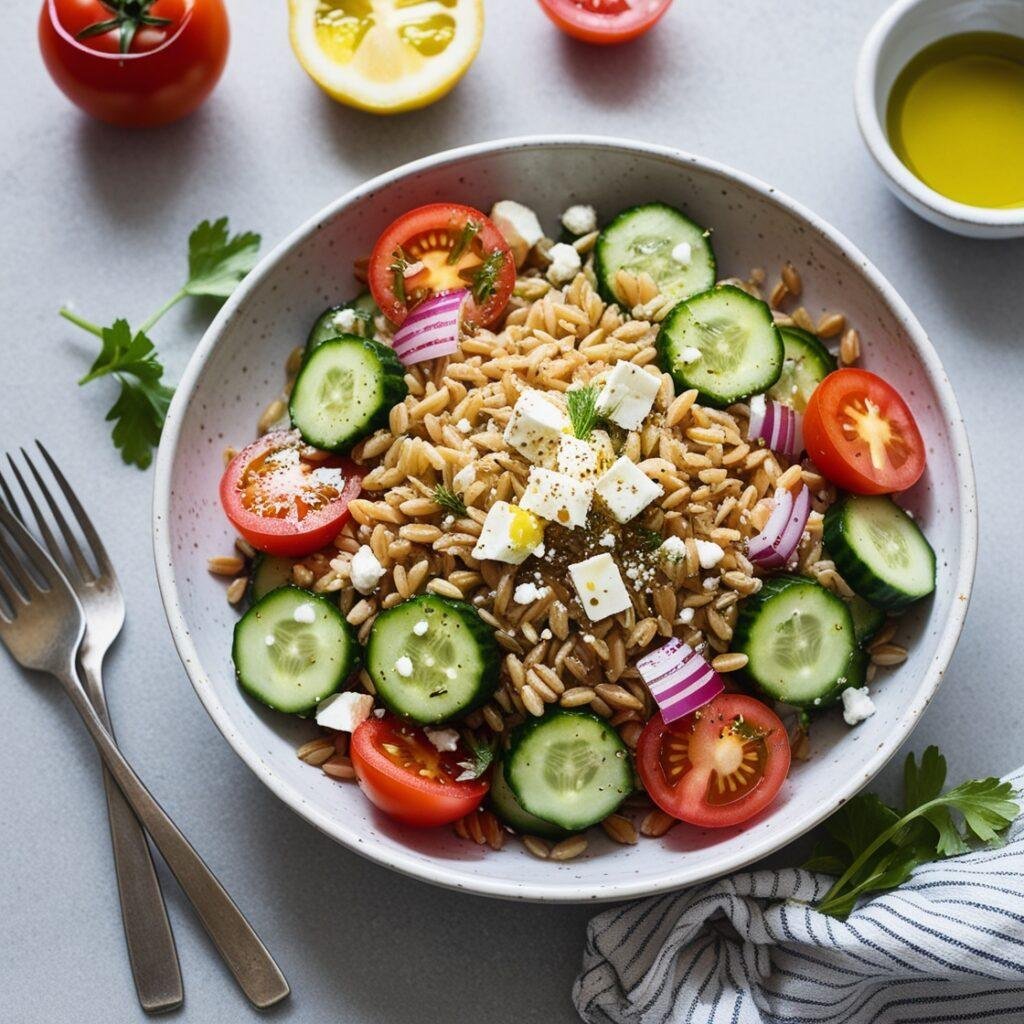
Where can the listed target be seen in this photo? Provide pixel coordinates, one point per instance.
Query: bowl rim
(459, 875)
(869, 120)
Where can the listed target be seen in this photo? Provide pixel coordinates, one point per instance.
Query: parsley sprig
(871, 847)
(217, 262)
(582, 406)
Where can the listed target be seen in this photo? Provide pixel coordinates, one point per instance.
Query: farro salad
(546, 535)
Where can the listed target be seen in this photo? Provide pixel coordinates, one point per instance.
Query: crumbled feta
(580, 219)
(627, 490)
(557, 497)
(444, 740)
(709, 553)
(690, 355)
(565, 263)
(284, 457)
(403, 666)
(857, 705)
(599, 585)
(329, 477)
(509, 534)
(536, 427)
(305, 613)
(465, 478)
(628, 395)
(365, 571)
(683, 254)
(528, 593)
(686, 616)
(607, 540)
(546, 634)
(519, 225)
(576, 458)
(345, 320)
(448, 522)
(673, 548)
(711, 583)
(344, 712)
(413, 269)
(420, 628)
(464, 426)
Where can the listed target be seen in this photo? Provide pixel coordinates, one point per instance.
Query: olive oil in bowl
(956, 118)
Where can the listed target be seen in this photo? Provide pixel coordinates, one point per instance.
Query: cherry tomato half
(403, 774)
(283, 502)
(439, 248)
(605, 21)
(168, 68)
(862, 435)
(718, 766)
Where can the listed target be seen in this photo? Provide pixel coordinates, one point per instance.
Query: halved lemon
(386, 56)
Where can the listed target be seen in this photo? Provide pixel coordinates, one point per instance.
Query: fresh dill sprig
(449, 501)
(583, 415)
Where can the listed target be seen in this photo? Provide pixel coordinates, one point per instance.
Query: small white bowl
(238, 368)
(896, 38)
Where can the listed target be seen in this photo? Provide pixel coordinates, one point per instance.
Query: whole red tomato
(135, 62)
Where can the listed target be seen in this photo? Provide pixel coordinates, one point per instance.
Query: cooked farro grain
(316, 752)
(537, 847)
(225, 565)
(236, 590)
(619, 829)
(657, 823)
(791, 279)
(569, 848)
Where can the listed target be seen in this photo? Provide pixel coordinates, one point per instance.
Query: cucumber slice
(292, 649)
(799, 641)
(642, 239)
(434, 672)
(505, 805)
(345, 391)
(268, 573)
(806, 364)
(880, 551)
(325, 327)
(867, 619)
(740, 348)
(569, 768)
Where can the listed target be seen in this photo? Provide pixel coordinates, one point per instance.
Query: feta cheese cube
(709, 553)
(557, 497)
(628, 395)
(344, 712)
(580, 219)
(599, 585)
(509, 534)
(857, 705)
(443, 740)
(519, 225)
(565, 263)
(536, 427)
(626, 490)
(365, 571)
(576, 458)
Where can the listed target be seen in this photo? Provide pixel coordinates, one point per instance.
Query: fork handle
(147, 932)
(240, 947)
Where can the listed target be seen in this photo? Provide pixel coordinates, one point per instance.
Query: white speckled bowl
(237, 369)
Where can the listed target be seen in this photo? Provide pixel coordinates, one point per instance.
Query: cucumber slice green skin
(741, 348)
(807, 668)
(345, 391)
(892, 577)
(504, 804)
(642, 239)
(456, 640)
(807, 363)
(867, 619)
(268, 573)
(325, 330)
(569, 768)
(307, 661)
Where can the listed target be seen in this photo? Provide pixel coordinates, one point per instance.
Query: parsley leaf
(217, 263)
(871, 847)
(484, 279)
(449, 501)
(582, 406)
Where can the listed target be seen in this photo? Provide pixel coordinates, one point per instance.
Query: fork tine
(31, 549)
(81, 564)
(12, 595)
(13, 573)
(44, 527)
(8, 496)
(99, 552)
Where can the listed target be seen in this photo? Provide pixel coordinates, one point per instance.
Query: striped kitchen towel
(948, 945)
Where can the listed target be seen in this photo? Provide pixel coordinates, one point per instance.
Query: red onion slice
(431, 330)
(679, 679)
(776, 424)
(776, 544)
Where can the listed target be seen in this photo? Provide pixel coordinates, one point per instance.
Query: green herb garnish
(650, 539)
(483, 757)
(450, 501)
(484, 279)
(216, 264)
(582, 404)
(462, 243)
(871, 847)
(398, 266)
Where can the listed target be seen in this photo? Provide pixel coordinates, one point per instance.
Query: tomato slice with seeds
(286, 498)
(406, 776)
(605, 21)
(439, 248)
(862, 435)
(718, 766)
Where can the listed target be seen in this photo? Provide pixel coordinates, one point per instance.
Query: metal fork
(42, 626)
(151, 949)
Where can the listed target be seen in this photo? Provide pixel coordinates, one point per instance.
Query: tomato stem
(165, 308)
(80, 321)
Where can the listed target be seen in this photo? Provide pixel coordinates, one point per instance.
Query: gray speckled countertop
(99, 217)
